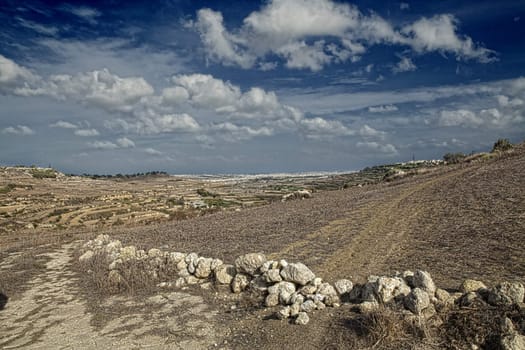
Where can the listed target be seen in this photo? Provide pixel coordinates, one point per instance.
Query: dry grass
(481, 326)
(14, 278)
(388, 329)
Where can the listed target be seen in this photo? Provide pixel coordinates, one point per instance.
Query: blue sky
(256, 87)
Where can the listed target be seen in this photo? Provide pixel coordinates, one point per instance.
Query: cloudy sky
(255, 87)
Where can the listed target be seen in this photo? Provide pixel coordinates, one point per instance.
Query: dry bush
(389, 329)
(134, 276)
(481, 325)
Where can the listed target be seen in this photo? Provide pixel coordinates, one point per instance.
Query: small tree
(502, 145)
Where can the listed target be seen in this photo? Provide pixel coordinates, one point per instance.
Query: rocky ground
(457, 222)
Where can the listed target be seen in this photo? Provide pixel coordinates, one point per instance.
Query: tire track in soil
(52, 314)
(357, 245)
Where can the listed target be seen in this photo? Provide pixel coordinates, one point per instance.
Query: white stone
(250, 263)
(225, 273)
(343, 286)
(297, 273)
(302, 318)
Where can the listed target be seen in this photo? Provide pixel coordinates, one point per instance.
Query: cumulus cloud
(310, 34)
(490, 117)
(382, 109)
(152, 151)
(240, 114)
(366, 130)
(64, 125)
(439, 33)
(103, 145)
(388, 148)
(14, 77)
(404, 65)
(18, 130)
(124, 142)
(86, 132)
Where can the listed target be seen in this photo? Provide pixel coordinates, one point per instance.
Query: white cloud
(404, 5)
(64, 125)
(439, 33)
(239, 133)
(88, 14)
(103, 145)
(206, 91)
(124, 142)
(318, 128)
(301, 55)
(388, 148)
(382, 109)
(14, 77)
(490, 117)
(460, 117)
(219, 43)
(310, 34)
(18, 130)
(152, 152)
(39, 28)
(366, 130)
(404, 65)
(87, 132)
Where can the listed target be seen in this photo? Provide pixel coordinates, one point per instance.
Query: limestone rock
(308, 289)
(284, 313)
(112, 249)
(297, 298)
(203, 269)
(225, 273)
(343, 286)
(191, 280)
(506, 293)
(295, 309)
(239, 283)
(388, 288)
(175, 257)
(417, 300)
(86, 257)
(422, 280)
(368, 306)
(326, 289)
(308, 306)
(215, 263)
(250, 263)
(273, 275)
(128, 253)
(469, 285)
(272, 300)
(302, 318)
(442, 295)
(297, 273)
(181, 265)
(155, 253)
(513, 341)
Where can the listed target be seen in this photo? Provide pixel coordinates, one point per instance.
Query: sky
(189, 87)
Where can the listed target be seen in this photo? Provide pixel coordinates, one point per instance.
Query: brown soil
(456, 222)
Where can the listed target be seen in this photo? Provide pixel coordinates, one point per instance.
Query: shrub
(454, 158)
(43, 173)
(502, 145)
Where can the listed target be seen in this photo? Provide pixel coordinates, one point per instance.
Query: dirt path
(51, 314)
